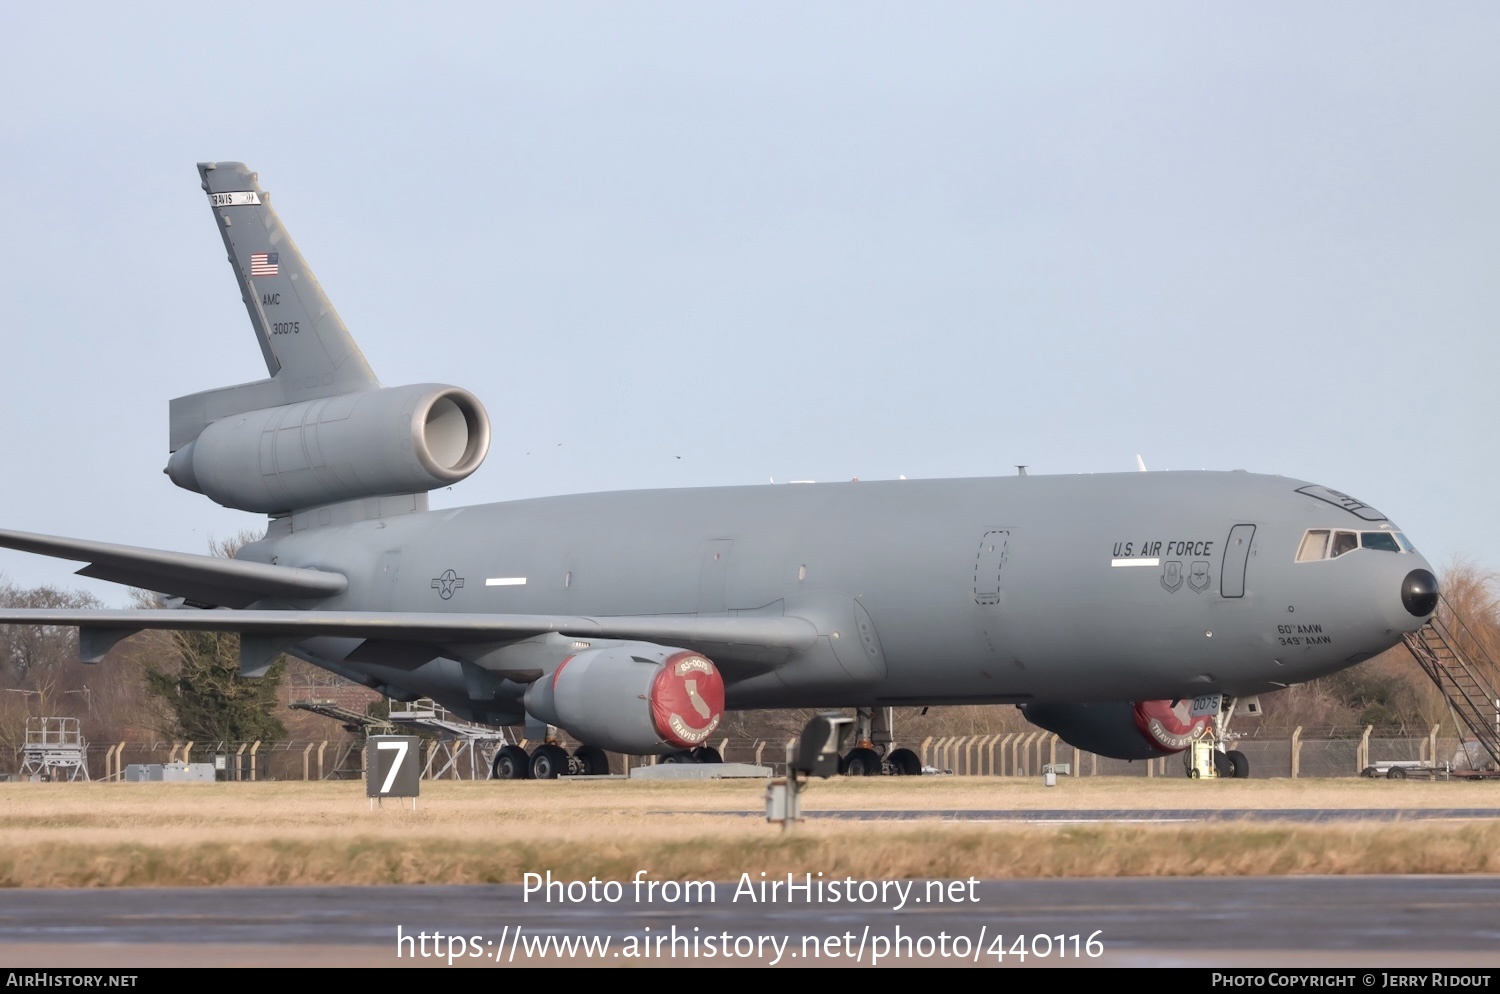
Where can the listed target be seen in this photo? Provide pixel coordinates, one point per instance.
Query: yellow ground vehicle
(1201, 758)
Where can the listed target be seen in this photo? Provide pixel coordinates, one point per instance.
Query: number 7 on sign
(390, 777)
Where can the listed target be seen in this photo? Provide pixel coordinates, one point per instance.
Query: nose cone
(1419, 593)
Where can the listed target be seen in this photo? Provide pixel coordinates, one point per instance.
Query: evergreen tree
(209, 700)
(202, 688)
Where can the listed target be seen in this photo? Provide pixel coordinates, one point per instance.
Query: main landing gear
(872, 755)
(549, 761)
(702, 754)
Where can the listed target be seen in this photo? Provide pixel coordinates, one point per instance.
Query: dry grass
(107, 835)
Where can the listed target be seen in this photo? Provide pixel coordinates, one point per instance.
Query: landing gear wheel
(511, 763)
(548, 762)
(678, 757)
(1223, 765)
(593, 761)
(707, 754)
(1193, 773)
(1395, 773)
(862, 762)
(905, 763)
(1240, 763)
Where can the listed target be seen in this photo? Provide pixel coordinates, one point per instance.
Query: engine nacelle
(1122, 729)
(636, 698)
(395, 440)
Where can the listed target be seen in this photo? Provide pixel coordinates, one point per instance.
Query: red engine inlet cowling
(632, 697)
(1167, 727)
(687, 699)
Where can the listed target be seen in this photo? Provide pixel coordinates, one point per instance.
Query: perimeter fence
(1275, 754)
(1271, 753)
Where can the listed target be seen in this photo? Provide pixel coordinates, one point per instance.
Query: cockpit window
(1314, 546)
(1328, 543)
(1343, 542)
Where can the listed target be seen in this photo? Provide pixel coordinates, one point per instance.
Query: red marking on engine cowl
(687, 699)
(1169, 729)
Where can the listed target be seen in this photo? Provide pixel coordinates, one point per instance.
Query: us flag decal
(264, 264)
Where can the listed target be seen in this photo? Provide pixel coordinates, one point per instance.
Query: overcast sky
(800, 241)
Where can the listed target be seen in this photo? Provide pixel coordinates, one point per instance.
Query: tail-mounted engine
(394, 440)
(635, 698)
(1122, 729)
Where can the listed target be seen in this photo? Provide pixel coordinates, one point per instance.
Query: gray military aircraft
(1126, 612)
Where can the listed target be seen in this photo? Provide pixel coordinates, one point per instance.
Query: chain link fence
(1271, 754)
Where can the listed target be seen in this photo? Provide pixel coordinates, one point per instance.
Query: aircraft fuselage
(999, 590)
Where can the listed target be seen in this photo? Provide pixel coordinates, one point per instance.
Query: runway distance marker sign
(391, 768)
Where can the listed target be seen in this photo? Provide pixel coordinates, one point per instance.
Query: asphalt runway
(1375, 921)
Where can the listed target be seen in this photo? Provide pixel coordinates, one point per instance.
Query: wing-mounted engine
(633, 697)
(373, 443)
(1122, 729)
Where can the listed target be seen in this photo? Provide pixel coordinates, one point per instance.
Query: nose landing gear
(1211, 756)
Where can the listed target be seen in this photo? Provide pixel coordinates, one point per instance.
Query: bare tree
(38, 663)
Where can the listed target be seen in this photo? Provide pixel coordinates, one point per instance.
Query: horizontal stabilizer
(208, 580)
(284, 627)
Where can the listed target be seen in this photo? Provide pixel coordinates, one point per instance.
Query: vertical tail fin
(308, 351)
(300, 332)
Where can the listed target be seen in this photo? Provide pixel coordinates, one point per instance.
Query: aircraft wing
(269, 631)
(206, 580)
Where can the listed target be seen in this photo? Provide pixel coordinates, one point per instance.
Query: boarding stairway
(429, 716)
(348, 761)
(55, 749)
(1454, 657)
(455, 738)
(353, 721)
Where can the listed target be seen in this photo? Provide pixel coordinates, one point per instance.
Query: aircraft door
(1236, 558)
(988, 562)
(713, 575)
(387, 573)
